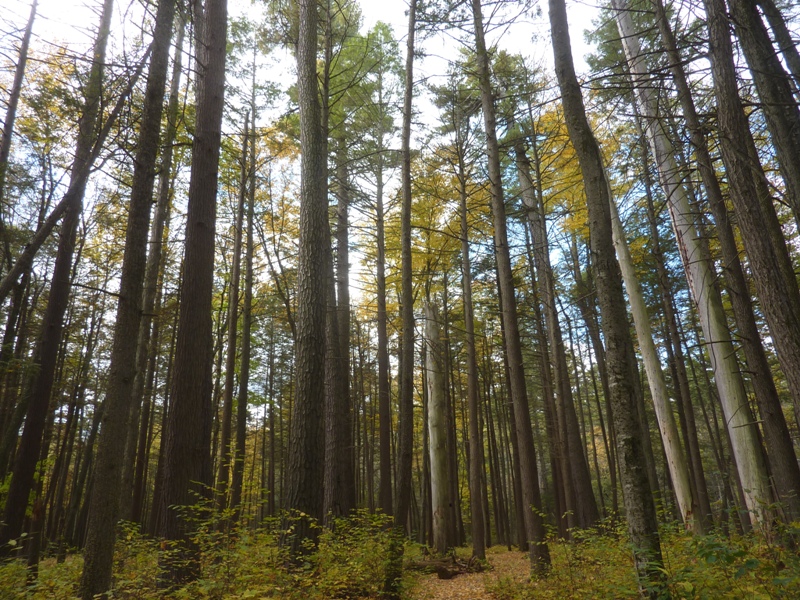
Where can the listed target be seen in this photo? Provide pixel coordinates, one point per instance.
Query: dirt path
(506, 566)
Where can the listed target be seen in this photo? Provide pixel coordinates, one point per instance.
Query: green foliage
(598, 565)
(350, 562)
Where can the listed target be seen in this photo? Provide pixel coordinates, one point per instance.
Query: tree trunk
(187, 432)
(226, 449)
(306, 459)
(701, 278)
(406, 376)
(437, 425)
(151, 295)
(539, 553)
(787, 45)
(476, 466)
(621, 361)
(247, 321)
(676, 459)
(384, 399)
(106, 492)
(780, 108)
(581, 505)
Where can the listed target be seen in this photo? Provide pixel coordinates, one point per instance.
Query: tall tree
(305, 460)
(700, 275)
(225, 447)
(437, 425)
(187, 432)
(531, 498)
(620, 358)
(105, 497)
(402, 502)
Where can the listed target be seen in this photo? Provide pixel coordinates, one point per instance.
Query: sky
(73, 21)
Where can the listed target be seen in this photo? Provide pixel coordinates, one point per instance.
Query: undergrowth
(351, 559)
(711, 567)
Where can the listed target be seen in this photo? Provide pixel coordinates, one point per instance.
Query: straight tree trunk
(384, 399)
(105, 499)
(237, 481)
(304, 473)
(477, 487)
(147, 337)
(402, 502)
(226, 449)
(621, 361)
(437, 425)
(534, 525)
(187, 432)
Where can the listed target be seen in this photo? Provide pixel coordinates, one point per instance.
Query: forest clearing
(426, 299)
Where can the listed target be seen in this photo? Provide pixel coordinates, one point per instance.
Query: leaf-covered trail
(505, 566)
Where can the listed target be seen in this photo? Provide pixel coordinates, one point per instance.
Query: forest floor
(351, 560)
(504, 565)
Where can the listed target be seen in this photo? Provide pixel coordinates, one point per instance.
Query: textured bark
(152, 291)
(106, 492)
(621, 361)
(30, 444)
(187, 432)
(780, 451)
(437, 425)
(532, 503)
(305, 461)
(700, 276)
(767, 254)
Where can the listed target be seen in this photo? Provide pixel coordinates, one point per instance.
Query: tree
(639, 506)
(304, 481)
(534, 526)
(696, 260)
(105, 498)
(187, 437)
